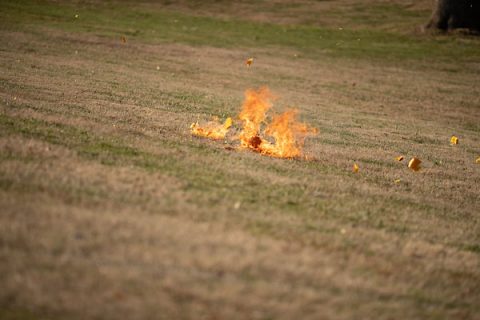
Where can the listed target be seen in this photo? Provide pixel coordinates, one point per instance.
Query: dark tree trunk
(455, 14)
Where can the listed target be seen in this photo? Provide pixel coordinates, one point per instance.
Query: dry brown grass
(111, 209)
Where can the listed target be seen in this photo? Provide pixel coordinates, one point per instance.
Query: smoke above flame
(282, 137)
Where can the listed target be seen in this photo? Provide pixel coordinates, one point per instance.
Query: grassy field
(111, 209)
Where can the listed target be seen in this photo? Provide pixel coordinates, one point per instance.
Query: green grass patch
(115, 20)
(198, 168)
(213, 184)
(382, 15)
(473, 248)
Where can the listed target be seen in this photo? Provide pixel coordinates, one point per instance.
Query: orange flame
(212, 129)
(253, 113)
(288, 134)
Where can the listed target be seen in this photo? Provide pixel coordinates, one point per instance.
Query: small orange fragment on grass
(249, 62)
(414, 164)
(355, 168)
(228, 123)
(399, 158)
(478, 160)
(124, 40)
(453, 140)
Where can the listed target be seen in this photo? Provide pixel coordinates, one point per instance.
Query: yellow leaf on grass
(453, 140)
(397, 181)
(414, 164)
(478, 160)
(355, 168)
(249, 62)
(399, 158)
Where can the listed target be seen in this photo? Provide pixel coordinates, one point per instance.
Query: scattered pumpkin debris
(355, 168)
(414, 164)
(453, 140)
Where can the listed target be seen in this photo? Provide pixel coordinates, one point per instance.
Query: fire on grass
(212, 129)
(282, 137)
